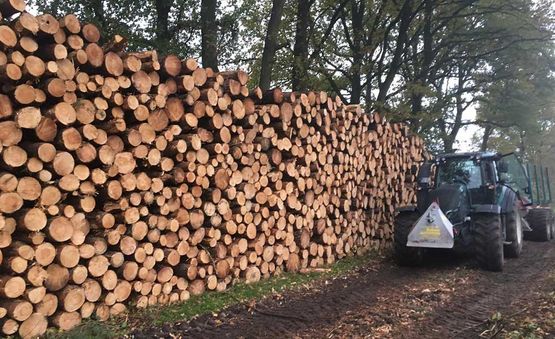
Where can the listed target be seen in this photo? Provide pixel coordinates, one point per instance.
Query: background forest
(424, 62)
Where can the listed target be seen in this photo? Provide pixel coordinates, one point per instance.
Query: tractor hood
(432, 230)
(453, 200)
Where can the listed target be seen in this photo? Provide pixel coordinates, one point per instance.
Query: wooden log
(11, 7)
(71, 24)
(91, 33)
(24, 94)
(33, 219)
(252, 274)
(48, 25)
(10, 202)
(36, 294)
(94, 55)
(14, 156)
(45, 131)
(58, 277)
(8, 37)
(11, 72)
(72, 298)
(19, 310)
(34, 326)
(66, 320)
(10, 327)
(10, 133)
(27, 44)
(11, 287)
(28, 117)
(60, 229)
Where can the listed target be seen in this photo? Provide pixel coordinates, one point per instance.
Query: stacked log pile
(133, 177)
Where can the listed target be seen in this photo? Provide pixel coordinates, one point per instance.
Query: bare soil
(449, 297)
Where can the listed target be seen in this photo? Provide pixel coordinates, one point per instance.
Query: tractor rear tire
(404, 255)
(489, 242)
(540, 221)
(513, 228)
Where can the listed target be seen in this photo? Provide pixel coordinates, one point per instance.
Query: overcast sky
(465, 135)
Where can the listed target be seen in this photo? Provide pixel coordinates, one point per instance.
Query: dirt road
(449, 297)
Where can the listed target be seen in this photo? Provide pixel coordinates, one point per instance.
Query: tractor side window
(512, 173)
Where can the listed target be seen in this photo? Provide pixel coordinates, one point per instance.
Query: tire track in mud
(466, 314)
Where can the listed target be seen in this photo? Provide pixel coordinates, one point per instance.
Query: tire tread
(404, 255)
(540, 222)
(489, 242)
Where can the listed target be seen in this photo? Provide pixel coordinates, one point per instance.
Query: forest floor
(449, 297)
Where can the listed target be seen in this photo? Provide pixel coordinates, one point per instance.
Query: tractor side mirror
(502, 167)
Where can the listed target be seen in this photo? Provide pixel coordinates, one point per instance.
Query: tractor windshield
(459, 171)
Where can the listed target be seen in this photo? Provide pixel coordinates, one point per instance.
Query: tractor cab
(472, 181)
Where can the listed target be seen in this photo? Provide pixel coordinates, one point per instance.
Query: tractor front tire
(540, 220)
(513, 227)
(489, 242)
(404, 255)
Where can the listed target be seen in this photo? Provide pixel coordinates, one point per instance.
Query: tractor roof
(479, 155)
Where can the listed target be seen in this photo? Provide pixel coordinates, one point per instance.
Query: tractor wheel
(513, 228)
(540, 222)
(489, 242)
(404, 255)
(552, 223)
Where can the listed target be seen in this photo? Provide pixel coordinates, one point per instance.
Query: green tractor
(480, 202)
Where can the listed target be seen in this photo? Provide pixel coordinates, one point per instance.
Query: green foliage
(138, 21)
(90, 329)
(527, 331)
(518, 101)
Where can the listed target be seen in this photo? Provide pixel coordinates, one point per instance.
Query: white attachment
(432, 230)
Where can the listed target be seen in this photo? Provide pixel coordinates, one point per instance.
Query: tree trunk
(357, 16)
(452, 136)
(405, 18)
(485, 138)
(428, 56)
(369, 104)
(163, 36)
(270, 44)
(98, 9)
(522, 143)
(209, 31)
(299, 75)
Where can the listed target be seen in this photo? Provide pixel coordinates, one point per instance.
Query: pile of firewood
(136, 177)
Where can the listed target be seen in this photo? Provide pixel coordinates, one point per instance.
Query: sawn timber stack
(133, 177)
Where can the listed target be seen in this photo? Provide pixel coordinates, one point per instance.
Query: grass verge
(211, 302)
